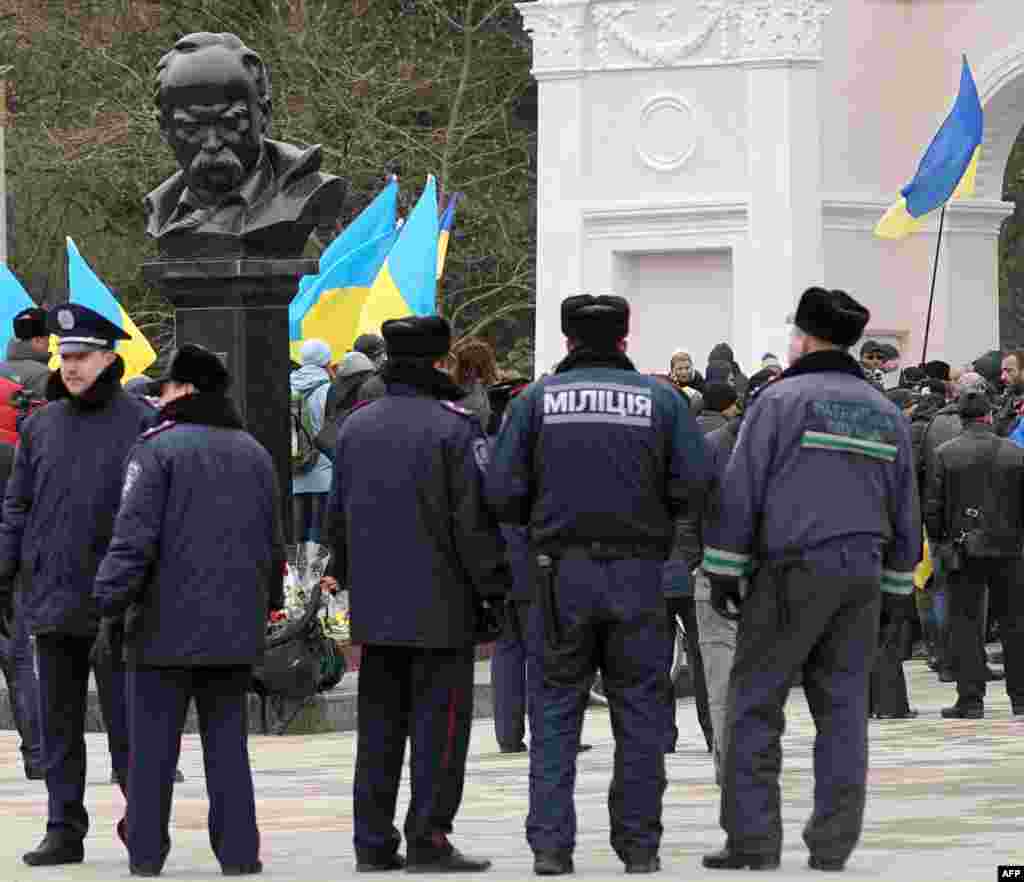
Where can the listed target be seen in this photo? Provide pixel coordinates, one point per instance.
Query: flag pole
(931, 296)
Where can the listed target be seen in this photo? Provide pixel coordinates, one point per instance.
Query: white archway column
(784, 166)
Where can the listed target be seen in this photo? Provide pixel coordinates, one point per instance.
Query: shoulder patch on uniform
(455, 408)
(482, 453)
(156, 430)
(131, 476)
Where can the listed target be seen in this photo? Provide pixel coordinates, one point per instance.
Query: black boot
(380, 865)
(827, 864)
(56, 849)
(440, 857)
(553, 863)
(253, 869)
(641, 864)
(730, 859)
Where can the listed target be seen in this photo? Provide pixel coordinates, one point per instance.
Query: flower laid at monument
(306, 566)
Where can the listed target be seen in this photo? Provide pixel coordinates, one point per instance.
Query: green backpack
(304, 452)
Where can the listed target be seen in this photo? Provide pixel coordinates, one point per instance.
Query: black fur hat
(30, 323)
(427, 336)
(833, 316)
(593, 320)
(200, 367)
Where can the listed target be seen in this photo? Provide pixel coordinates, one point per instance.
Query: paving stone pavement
(946, 801)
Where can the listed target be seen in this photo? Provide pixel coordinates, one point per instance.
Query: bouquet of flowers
(307, 563)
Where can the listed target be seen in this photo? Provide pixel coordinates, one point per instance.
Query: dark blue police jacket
(598, 453)
(63, 495)
(412, 536)
(197, 547)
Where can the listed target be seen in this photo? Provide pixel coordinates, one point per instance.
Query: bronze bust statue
(238, 193)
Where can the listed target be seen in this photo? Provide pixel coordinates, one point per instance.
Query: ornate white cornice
(638, 34)
(704, 218)
(975, 216)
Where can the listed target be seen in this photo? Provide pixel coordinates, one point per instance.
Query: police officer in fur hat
(820, 572)
(418, 549)
(597, 459)
(59, 512)
(195, 563)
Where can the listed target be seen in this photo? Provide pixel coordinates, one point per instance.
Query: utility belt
(546, 560)
(606, 550)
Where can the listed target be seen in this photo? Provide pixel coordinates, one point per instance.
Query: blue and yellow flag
(13, 299)
(947, 170)
(87, 290)
(376, 220)
(340, 294)
(407, 283)
(447, 222)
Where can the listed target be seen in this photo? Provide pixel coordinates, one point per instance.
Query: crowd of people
(592, 514)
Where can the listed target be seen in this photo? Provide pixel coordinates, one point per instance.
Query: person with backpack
(311, 469)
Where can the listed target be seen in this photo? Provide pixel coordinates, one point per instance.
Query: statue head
(213, 98)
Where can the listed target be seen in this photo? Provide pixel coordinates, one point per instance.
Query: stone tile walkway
(946, 801)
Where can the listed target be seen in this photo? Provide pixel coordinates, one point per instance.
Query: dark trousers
(63, 693)
(888, 683)
(682, 612)
(307, 516)
(607, 616)
(514, 678)
(23, 689)
(830, 635)
(424, 696)
(159, 700)
(967, 609)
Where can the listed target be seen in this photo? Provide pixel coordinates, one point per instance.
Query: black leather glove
(108, 645)
(726, 598)
(7, 602)
(898, 608)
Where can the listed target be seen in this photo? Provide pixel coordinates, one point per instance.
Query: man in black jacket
(196, 561)
(417, 548)
(59, 513)
(974, 516)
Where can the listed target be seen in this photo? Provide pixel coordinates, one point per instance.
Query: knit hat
(973, 403)
(315, 352)
(354, 363)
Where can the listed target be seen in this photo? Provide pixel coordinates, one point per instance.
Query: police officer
(597, 459)
(194, 565)
(417, 547)
(814, 602)
(59, 513)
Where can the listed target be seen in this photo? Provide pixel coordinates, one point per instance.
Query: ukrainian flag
(340, 295)
(447, 222)
(949, 166)
(13, 299)
(87, 290)
(407, 283)
(378, 219)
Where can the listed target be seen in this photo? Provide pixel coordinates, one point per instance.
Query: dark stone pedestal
(238, 308)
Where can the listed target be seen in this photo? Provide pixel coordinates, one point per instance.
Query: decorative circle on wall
(667, 132)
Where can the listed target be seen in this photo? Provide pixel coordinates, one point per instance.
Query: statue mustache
(222, 161)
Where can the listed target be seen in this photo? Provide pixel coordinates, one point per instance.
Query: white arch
(1000, 82)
